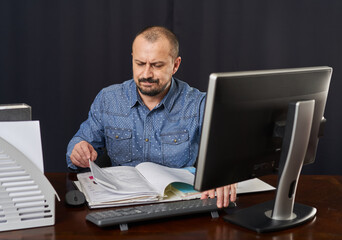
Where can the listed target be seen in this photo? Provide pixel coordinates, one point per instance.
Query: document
(122, 185)
(146, 183)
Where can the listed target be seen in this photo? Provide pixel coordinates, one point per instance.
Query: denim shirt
(168, 135)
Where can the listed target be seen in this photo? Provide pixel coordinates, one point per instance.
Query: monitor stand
(283, 212)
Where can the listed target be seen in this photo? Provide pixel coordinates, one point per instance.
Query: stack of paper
(147, 182)
(123, 185)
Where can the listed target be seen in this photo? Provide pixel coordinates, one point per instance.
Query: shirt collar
(167, 101)
(170, 97)
(135, 98)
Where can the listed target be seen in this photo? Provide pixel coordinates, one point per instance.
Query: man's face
(153, 66)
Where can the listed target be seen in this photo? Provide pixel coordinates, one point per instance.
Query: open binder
(27, 198)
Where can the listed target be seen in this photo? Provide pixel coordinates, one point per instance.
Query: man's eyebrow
(158, 62)
(152, 63)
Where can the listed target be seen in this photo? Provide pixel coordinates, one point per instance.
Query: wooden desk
(322, 192)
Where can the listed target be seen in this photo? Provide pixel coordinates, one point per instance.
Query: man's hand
(222, 194)
(82, 152)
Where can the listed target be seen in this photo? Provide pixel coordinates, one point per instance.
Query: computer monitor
(258, 123)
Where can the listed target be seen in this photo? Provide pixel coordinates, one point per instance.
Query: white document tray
(27, 198)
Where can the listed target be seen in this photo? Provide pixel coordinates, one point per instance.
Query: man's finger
(212, 193)
(93, 154)
(219, 194)
(78, 163)
(204, 195)
(233, 192)
(85, 150)
(226, 191)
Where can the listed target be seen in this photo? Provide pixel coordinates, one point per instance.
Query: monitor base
(254, 217)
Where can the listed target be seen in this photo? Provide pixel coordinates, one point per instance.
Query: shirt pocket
(119, 144)
(175, 148)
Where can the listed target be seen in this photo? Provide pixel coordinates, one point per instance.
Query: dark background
(57, 55)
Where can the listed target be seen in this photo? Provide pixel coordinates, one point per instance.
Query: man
(152, 117)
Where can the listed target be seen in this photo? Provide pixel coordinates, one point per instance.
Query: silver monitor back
(242, 112)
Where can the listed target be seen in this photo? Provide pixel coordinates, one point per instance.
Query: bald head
(155, 33)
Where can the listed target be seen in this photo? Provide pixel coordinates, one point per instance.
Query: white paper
(122, 180)
(253, 185)
(131, 182)
(160, 176)
(97, 195)
(24, 136)
(116, 186)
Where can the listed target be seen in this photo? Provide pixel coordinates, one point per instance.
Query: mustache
(148, 80)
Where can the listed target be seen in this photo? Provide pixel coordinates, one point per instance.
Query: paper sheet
(25, 136)
(253, 185)
(160, 176)
(123, 180)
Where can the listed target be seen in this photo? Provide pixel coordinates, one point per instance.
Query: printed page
(160, 176)
(97, 195)
(121, 180)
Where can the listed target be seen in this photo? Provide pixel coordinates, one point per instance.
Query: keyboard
(123, 216)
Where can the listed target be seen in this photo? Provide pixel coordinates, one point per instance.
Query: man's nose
(148, 73)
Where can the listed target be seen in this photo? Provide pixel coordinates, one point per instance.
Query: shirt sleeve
(90, 130)
(201, 108)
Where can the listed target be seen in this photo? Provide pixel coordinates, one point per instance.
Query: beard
(151, 91)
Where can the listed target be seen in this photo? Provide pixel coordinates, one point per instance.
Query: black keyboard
(122, 216)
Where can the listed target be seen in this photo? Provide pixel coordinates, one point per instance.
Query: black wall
(57, 55)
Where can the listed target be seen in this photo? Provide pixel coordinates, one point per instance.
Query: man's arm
(88, 138)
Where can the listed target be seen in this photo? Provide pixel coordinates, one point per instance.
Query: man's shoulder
(186, 100)
(118, 95)
(187, 91)
(118, 87)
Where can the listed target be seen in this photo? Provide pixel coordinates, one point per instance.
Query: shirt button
(116, 136)
(175, 140)
(146, 139)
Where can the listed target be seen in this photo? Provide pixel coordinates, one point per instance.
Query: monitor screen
(242, 112)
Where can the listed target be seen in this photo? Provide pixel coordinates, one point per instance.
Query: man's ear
(176, 64)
